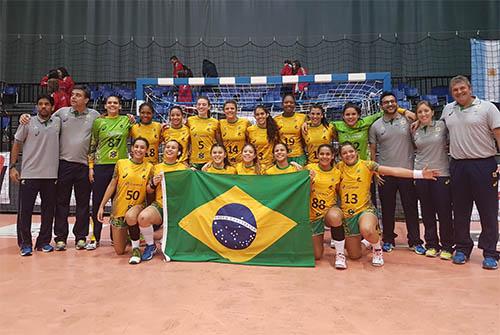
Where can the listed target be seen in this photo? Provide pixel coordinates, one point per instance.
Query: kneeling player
(324, 183)
(360, 217)
(129, 181)
(152, 216)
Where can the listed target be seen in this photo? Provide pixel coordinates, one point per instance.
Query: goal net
(331, 91)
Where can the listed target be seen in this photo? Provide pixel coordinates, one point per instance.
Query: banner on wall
(485, 69)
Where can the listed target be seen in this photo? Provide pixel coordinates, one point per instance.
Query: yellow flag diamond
(236, 226)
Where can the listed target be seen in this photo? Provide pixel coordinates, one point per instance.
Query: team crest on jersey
(113, 154)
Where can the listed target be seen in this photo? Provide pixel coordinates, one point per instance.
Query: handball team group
(446, 164)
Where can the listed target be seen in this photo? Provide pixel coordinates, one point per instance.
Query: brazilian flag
(259, 220)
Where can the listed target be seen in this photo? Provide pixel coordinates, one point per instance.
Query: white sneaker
(92, 245)
(340, 262)
(136, 256)
(378, 258)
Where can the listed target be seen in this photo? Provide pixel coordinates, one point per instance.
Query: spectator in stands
(286, 70)
(76, 126)
(39, 140)
(209, 69)
(59, 96)
(431, 149)
(391, 136)
(52, 74)
(300, 88)
(474, 126)
(176, 66)
(66, 83)
(184, 93)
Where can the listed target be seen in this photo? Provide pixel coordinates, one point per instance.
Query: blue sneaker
(149, 252)
(459, 258)
(46, 248)
(489, 263)
(387, 247)
(26, 251)
(419, 249)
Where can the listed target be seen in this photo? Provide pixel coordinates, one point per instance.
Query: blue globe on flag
(234, 226)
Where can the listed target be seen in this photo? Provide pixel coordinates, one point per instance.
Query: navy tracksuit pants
(387, 193)
(475, 180)
(435, 199)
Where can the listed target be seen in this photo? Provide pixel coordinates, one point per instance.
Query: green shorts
(351, 225)
(118, 222)
(318, 226)
(159, 208)
(301, 160)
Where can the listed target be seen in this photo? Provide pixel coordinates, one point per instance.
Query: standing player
(319, 132)
(128, 184)
(359, 215)
(219, 163)
(290, 125)
(39, 140)
(204, 133)
(151, 218)
(263, 136)
(391, 136)
(177, 131)
(474, 126)
(281, 162)
(233, 131)
(324, 184)
(148, 129)
(431, 149)
(108, 144)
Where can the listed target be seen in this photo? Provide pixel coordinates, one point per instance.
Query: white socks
(339, 246)
(147, 233)
(136, 244)
(376, 246)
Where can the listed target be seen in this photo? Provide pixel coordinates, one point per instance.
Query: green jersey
(358, 134)
(109, 140)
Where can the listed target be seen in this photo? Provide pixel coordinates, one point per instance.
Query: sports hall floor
(84, 292)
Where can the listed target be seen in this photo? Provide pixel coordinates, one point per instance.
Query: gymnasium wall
(121, 40)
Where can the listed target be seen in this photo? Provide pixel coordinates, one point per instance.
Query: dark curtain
(122, 40)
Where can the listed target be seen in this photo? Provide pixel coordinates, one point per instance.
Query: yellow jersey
(315, 137)
(164, 167)
(354, 187)
(181, 135)
(323, 190)
(227, 170)
(202, 135)
(152, 133)
(275, 169)
(131, 186)
(234, 137)
(290, 132)
(241, 169)
(258, 137)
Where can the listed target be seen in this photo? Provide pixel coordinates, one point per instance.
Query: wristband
(418, 174)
